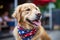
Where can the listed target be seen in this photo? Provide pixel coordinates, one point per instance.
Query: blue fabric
(11, 23)
(27, 38)
(22, 32)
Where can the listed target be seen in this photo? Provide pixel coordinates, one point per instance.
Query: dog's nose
(38, 15)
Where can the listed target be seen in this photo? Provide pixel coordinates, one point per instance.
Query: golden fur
(20, 16)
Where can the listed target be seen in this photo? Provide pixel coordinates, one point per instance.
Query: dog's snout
(38, 14)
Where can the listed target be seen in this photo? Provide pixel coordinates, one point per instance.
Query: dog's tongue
(38, 23)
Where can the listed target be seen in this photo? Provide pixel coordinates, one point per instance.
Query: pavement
(55, 35)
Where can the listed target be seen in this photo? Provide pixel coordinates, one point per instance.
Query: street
(55, 35)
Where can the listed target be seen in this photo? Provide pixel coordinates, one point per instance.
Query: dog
(29, 25)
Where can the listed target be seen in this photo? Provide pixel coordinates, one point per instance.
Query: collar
(26, 32)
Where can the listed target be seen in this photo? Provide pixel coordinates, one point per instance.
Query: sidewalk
(55, 35)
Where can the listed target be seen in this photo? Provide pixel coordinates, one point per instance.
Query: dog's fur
(28, 10)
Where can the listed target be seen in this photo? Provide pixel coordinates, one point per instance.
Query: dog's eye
(36, 9)
(28, 9)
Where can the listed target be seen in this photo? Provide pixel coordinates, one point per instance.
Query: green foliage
(57, 3)
(42, 8)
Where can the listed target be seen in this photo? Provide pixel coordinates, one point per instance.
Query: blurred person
(2, 23)
(10, 21)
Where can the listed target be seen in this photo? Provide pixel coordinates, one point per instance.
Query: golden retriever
(28, 16)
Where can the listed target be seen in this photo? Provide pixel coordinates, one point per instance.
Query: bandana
(26, 34)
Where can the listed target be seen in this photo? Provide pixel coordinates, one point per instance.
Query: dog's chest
(26, 34)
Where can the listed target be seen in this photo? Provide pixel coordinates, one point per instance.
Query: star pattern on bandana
(25, 33)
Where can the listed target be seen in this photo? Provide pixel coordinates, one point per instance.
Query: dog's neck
(25, 25)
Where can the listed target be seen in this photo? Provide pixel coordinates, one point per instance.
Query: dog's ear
(17, 13)
(14, 14)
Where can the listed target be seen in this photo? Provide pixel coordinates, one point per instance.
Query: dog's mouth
(34, 22)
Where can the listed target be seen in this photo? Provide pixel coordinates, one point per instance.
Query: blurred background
(50, 10)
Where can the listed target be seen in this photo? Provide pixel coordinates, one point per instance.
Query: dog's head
(28, 12)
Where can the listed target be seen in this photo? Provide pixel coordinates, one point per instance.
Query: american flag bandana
(26, 34)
